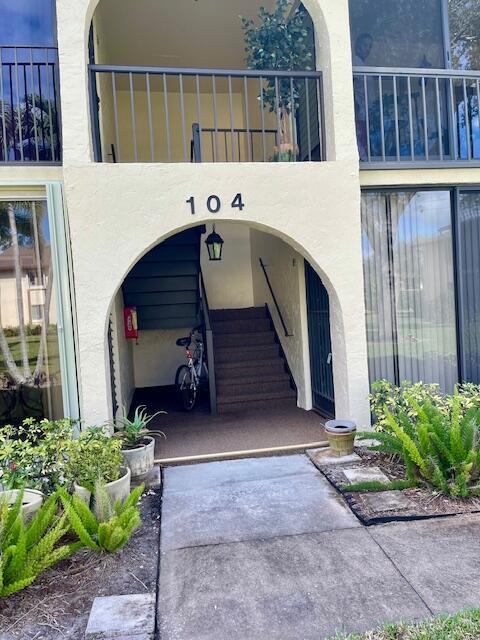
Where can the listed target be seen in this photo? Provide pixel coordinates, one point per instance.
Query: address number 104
(214, 204)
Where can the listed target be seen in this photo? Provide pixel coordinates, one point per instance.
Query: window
(27, 22)
(37, 312)
(464, 21)
(31, 384)
(408, 33)
(409, 287)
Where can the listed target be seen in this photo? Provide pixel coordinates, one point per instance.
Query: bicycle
(189, 376)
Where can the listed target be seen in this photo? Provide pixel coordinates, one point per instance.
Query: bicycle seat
(183, 342)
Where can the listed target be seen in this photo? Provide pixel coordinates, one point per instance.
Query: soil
(422, 503)
(58, 604)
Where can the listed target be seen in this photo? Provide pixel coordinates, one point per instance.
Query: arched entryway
(254, 307)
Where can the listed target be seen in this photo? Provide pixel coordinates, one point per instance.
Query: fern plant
(107, 526)
(440, 449)
(26, 550)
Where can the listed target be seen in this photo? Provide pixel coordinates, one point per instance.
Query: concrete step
(252, 386)
(248, 325)
(254, 368)
(247, 353)
(237, 314)
(243, 339)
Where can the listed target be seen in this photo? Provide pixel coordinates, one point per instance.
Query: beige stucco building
(157, 108)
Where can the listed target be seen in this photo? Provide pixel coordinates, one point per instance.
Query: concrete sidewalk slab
(206, 475)
(219, 502)
(440, 558)
(307, 587)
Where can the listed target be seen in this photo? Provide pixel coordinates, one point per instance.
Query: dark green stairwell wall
(163, 285)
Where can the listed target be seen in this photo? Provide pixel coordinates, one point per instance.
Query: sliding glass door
(409, 286)
(468, 252)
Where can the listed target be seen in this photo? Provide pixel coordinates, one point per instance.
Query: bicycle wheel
(186, 387)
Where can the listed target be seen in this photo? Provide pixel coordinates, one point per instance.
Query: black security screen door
(318, 312)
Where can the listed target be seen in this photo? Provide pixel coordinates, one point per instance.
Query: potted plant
(94, 456)
(279, 42)
(138, 446)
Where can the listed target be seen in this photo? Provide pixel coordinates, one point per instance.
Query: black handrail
(287, 334)
(205, 310)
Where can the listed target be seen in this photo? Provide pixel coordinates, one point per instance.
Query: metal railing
(29, 105)
(234, 116)
(205, 310)
(277, 307)
(413, 116)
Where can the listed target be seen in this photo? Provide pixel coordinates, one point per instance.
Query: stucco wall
(285, 268)
(122, 357)
(229, 282)
(118, 212)
(156, 357)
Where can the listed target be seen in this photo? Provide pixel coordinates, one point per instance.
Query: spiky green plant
(108, 526)
(26, 550)
(133, 431)
(440, 449)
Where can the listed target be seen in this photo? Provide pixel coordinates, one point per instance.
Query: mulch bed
(423, 504)
(57, 606)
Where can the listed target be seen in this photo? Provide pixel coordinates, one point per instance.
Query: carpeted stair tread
(245, 389)
(249, 325)
(246, 378)
(244, 339)
(252, 368)
(237, 314)
(247, 353)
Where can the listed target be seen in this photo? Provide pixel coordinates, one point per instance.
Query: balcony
(29, 106)
(155, 114)
(417, 117)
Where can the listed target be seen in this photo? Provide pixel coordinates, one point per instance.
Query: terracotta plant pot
(31, 503)
(341, 436)
(140, 460)
(117, 490)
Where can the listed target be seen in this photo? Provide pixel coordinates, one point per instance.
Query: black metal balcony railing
(29, 105)
(413, 116)
(152, 114)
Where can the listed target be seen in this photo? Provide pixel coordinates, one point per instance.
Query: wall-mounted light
(214, 244)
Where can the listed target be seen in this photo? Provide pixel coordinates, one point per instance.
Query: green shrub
(440, 446)
(386, 395)
(108, 526)
(35, 454)
(92, 456)
(26, 550)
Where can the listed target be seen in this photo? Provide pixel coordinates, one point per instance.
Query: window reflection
(30, 381)
(27, 22)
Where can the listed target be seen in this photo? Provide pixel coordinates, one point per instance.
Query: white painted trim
(305, 338)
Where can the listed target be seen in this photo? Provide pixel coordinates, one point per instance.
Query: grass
(33, 343)
(461, 626)
(376, 485)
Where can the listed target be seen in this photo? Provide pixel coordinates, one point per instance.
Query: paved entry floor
(199, 433)
(264, 548)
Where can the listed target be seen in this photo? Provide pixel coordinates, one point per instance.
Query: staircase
(163, 285)
(251, 372)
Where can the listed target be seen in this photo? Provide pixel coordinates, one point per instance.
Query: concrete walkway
(265, 549)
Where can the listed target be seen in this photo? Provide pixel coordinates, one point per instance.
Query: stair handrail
(205, 310)
(264, 269)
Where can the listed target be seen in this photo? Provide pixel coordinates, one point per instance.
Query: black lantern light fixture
(214, 244)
